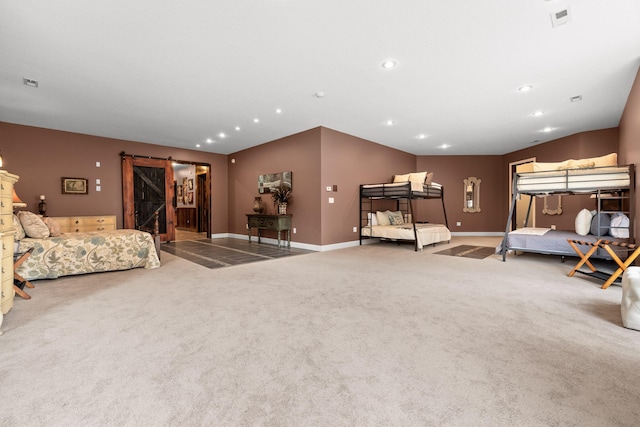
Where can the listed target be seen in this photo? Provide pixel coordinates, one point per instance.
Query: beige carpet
(377, 335)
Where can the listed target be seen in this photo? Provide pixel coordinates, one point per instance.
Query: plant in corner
(281, 196)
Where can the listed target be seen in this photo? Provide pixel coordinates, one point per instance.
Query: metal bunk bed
(614, 182)
(403, 194)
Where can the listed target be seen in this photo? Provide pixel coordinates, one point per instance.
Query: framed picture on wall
(190, 197)
(179, 189)
(190, 183)
(75, 186)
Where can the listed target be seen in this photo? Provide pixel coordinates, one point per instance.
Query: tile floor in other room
(226, 252)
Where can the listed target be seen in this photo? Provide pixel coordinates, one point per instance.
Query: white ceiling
(178, 72)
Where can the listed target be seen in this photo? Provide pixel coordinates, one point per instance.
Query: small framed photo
(190, 183)
(75, 186)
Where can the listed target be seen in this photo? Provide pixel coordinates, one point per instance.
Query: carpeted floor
(371, 335)
(468, 251)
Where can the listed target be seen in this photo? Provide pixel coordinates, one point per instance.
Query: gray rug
(468, 251)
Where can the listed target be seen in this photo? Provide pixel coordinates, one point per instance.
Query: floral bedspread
(79, 253)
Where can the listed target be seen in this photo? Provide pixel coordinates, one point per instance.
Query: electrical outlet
(98, 188)
(355, 229)
(331, 200)
(458, 223)
(553, 227)
(294, 230)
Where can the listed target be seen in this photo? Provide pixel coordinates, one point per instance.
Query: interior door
(147, 188)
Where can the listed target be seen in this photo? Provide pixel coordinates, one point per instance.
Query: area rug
(468, 251)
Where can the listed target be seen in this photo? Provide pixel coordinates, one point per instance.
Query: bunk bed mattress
(554, 242)
(573, 180)
(402, 189)
(427, 233)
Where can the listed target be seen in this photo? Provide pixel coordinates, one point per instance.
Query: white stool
(630, 306)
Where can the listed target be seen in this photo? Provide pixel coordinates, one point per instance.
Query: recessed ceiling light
(537, 113)
(525, 88)
(576, 98)
(222, 135)
(319, 94)
(390, 122)
(445, 146)
(389, 64)
(256, 120)
(422, 136)
(237, 127)
(197, 145)
(278, 110)
(547, 129)
(209, 140)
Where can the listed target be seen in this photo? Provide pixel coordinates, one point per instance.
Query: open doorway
(522, 204)
(192, 183)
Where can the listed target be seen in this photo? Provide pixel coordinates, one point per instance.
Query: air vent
(561, 17)
(30, 82)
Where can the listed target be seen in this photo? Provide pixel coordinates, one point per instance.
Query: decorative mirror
(472, 194)
(557, 211)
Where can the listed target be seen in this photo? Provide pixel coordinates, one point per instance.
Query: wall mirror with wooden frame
(472, 194)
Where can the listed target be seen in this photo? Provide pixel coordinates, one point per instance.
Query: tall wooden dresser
(7, 181)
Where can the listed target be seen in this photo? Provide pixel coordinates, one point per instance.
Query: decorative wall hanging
(547, 211)
(75, 186)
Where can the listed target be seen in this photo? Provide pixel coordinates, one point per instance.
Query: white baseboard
(479, 233)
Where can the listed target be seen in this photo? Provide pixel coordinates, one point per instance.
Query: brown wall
(348, 161)
(582, 145)
(300, 154)
(630, 136)
(42, 156)
(450, 171)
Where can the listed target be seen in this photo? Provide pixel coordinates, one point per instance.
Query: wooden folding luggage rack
(606, 245)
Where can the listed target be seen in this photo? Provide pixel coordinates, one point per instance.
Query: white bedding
(427, 233)
(574, 180)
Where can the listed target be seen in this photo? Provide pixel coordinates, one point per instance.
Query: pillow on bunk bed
(401, 178)
(372, 219)
(382, 217)
(418, 177)
(607, 160)
(429, 178)
(395, 218)
(605, 219)
(619, 226)
(583, 222)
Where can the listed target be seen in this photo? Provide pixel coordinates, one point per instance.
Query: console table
(276, 223)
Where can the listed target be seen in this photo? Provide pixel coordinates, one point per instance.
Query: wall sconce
(42, 206)
(17, 203)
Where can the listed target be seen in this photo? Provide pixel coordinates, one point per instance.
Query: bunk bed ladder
(366, 209)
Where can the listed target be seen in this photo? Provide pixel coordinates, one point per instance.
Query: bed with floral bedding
(90, 252)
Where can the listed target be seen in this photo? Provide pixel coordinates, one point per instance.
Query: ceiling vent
(561, 17)
(30, 82)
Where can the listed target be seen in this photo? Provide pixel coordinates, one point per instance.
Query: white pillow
(583, 222)
(619, 219)
(18, 231)
(33, 225)
(372, 219)
(401, 178)
(418, 177)
(383, 217)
